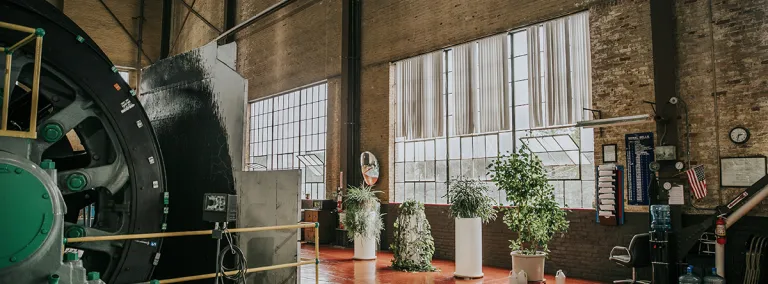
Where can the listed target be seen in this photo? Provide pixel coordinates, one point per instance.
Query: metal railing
(302, 261)
(37, 36)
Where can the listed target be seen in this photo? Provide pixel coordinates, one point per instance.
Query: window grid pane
(287, 131)
(468, 154)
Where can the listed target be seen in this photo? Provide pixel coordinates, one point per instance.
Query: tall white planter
(469, 248)
(365, 247)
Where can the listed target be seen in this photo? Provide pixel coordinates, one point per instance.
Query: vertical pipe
(165, 37)
(139, 44)
(720, 259)
(350, 90)
(6, 91)
(317, 253)
(230, 18)
(36, 85)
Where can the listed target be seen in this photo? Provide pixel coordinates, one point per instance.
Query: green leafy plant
(469, 199)
(412, 245)
(359, 202)
(535, 215)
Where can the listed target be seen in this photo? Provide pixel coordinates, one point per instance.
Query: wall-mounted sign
(370, 167)
(639, 158)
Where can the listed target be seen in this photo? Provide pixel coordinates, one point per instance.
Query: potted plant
(362, 219)
(535, 216)
(412, 245)
(471, 207)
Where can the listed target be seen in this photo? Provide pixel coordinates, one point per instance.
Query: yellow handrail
(187, 233)
(37, 35)
(302, 261)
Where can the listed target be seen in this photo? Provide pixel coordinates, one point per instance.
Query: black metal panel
(85, 64)
(185, 106)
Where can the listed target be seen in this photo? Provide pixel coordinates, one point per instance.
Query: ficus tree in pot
(362, 220)
(535, 215)
(470, 206)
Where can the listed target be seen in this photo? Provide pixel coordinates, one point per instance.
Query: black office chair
(638, 255)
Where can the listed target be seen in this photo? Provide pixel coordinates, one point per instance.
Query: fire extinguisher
(720, 230)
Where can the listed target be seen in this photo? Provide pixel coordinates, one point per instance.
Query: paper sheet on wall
(676, 195)
(742, 172)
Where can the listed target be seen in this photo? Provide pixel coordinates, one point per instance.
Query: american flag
(697, 181)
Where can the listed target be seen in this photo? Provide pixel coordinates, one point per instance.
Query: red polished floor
(337, 266)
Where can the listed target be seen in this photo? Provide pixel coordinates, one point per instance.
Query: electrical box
(219, 207)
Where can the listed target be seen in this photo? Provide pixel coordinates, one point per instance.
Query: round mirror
(370, 167)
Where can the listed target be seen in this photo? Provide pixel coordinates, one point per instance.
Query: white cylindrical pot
(533, 265)
(469, 248)
(365, 247)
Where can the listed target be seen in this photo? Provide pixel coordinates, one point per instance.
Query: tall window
(288, 131)
(495, 94)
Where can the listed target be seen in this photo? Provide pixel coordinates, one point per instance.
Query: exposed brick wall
(726, 88)
(99, 25)
(622, 70)
(581, 253)
(297, 45)
(194, 33)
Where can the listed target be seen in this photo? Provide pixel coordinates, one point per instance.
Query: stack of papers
(606, 190)
(676, 195)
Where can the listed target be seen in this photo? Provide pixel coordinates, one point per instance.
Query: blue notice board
(639, 157)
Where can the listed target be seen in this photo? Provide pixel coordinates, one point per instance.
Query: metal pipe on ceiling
(251, 20)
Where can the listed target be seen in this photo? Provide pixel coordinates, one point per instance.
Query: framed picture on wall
(742, 171)
(609, 153)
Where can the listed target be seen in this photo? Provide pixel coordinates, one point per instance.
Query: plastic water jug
(522, 277)
(689, 278)
(660, 219)
(512, 277)
(560, 277)
(714, 278)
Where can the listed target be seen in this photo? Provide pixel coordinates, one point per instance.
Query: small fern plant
(469, 199)
(412, 245)
(362, 213)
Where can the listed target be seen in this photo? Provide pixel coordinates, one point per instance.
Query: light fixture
(615, 121)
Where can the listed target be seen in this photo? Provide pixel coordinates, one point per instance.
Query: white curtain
(463, 88)
(418, 82)
(566, 89)
(408, 81)
(559, 101)
(535, 96)
(492, 99)
(581, 69)
(432, 99)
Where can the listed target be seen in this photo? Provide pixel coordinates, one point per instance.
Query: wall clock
(739, 135)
